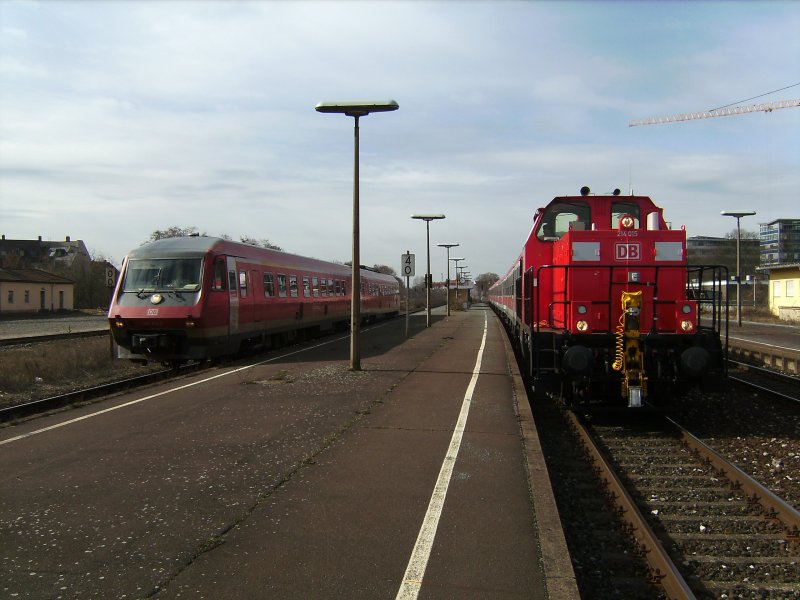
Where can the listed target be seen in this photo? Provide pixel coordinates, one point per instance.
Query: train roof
(198, 245)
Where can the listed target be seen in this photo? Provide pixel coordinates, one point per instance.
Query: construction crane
(719, 112)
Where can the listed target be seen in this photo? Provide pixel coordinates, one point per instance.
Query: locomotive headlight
(686, 309)
(581, 309)
(119, 324)
(582, 326)
(190, 323)
(627, 221)
(687, 325)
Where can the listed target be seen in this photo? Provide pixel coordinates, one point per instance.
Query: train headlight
(582, 326)
(686, 309)
(687, 325)
(119, 324)
(190, 323)
(627, 222)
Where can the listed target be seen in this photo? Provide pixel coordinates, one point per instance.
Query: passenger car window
(269, 285)
(243, 284)
(293, 286)
(281, 285)
(306, 287)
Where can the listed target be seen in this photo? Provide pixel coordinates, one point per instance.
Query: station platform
(419, 476)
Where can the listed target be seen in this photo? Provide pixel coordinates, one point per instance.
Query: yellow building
(33, 290)
(784, 290)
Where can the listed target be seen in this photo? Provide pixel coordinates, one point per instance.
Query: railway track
(708, 529)
(769, 381)
(19, 411)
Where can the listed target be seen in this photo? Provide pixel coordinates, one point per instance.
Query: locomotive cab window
(559, 217)
(618, 209)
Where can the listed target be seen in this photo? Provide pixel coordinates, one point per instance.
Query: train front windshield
(163, 274)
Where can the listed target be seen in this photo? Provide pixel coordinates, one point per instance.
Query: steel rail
(778, 508)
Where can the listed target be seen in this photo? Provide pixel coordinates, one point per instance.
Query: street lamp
(448, 246)
(356, 110)
(738, 214)
(428, 219)
(456, 260)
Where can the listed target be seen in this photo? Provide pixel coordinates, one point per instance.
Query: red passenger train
(603, 304)
(197, 297)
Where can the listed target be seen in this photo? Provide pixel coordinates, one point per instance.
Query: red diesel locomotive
(197, 297)
(603, 305)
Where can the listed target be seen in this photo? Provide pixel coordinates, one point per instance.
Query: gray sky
(119, 118)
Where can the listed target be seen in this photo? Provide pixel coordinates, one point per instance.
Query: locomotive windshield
(162, 274)
(559, 217)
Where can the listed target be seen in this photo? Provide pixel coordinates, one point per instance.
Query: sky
(121, 118)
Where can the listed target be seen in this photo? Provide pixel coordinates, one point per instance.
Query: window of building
(281, 285)
(776, 289)
(269, 285)
(27, 296)
(293, 286)
(11, 296)
(790, 288)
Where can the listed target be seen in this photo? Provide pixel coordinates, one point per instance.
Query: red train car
(602, 303)
(197, 297)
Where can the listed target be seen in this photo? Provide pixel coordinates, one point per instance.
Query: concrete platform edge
(556, 563)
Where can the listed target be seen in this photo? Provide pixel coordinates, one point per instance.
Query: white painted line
(415, 571)
(165, 392)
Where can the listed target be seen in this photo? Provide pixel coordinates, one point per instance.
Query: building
(780, 259)
(780, 242)
(41, 254)
(34, 290)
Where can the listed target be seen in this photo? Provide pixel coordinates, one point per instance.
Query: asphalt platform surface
(290, 476)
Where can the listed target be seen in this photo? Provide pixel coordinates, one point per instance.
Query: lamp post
(356, 109)
(456, 260)
(448, 246)
(738, 214)
(428, 219)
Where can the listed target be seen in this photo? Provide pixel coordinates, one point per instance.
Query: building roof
(31, 276)
(778, 266)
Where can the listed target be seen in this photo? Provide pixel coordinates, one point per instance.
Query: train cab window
(323, 286)
(559, 217)
(232, 282)
(282, 285)
(624, 208)
(315, 286)
(243, 284)
(306, 287)
(293, 286)
(269, 285)
(219, 274)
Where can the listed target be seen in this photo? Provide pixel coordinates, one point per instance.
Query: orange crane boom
(721, 112)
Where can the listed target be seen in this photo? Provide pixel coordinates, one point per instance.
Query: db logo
(628, 251)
